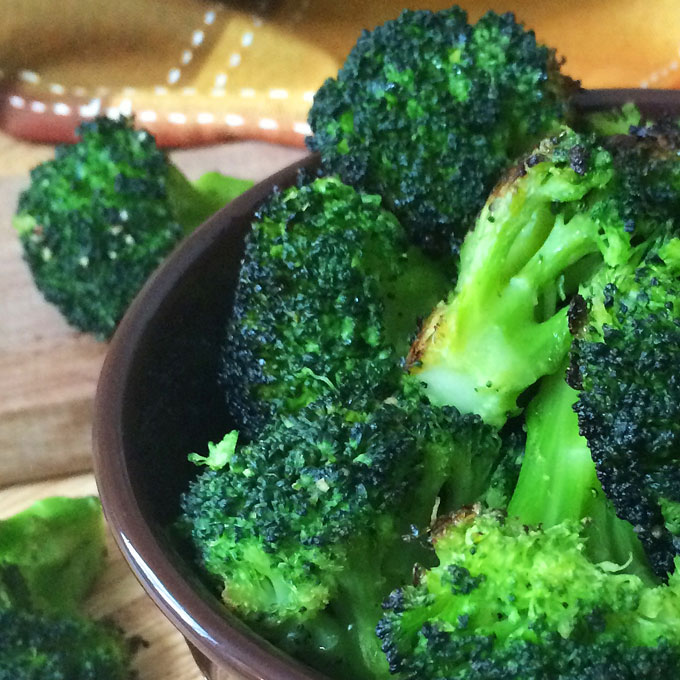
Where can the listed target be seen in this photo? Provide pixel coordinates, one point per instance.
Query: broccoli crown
(623, 364)
(96, 221)
(428, 111)
(511, 602)
(316, 480)
(61, 647)
(305, 524)
(328, 295)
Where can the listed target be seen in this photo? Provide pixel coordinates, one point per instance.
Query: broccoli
(99, 218)
(574, 205)
(557, 587)
(558, 481)
(428, 111)
(328, 296)
(50, 555)
(41, 646)
(509, 601)
(302, 529)
(624, 366)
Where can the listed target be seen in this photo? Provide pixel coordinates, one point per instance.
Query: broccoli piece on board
(98, 219)
(428, 111)
(51, 553)
(41, 646)
(302, 530)
(328, 297)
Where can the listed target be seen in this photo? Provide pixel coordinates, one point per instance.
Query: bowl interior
(159, 399)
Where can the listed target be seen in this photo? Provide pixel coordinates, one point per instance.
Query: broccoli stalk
(98, 219)
(558, 481)
(505, 325)
(50, 555)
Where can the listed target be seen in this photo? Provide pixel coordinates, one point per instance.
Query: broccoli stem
(194, 202)
(558, 481)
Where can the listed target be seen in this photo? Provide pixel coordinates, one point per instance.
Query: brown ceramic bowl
(158, 399)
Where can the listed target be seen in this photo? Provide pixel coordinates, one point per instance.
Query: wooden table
(48, 375)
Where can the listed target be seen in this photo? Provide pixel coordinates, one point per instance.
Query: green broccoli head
(574, 205)
(507, 601)
(53, 646)
(329, 293)
(98, 219)
(428, 111)
(623, 365)
(302, 529)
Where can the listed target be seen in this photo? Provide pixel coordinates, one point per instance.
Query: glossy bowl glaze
(158, 399)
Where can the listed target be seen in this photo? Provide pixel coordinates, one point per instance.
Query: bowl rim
(200, 623)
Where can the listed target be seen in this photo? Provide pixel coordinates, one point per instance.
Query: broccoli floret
(574, 205)
(428, 111)
(511, 602)
(50, 555)
(99, 218)
(40, 646)
(328, 296)
(613, 122)
(302, 529)
(624, 366)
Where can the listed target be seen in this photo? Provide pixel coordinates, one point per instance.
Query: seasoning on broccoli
(509, 601)
(429, 111)
(98, 219)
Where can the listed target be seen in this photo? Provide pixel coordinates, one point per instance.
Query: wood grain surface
(48, 376)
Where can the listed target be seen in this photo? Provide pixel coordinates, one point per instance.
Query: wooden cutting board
(48, 371)
(48, 376)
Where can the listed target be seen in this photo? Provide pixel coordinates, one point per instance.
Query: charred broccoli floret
(512, 602)
(575, 204)
(328, 296)
(624, 366)
(428, 111)
(302, 529)
(98, 219)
